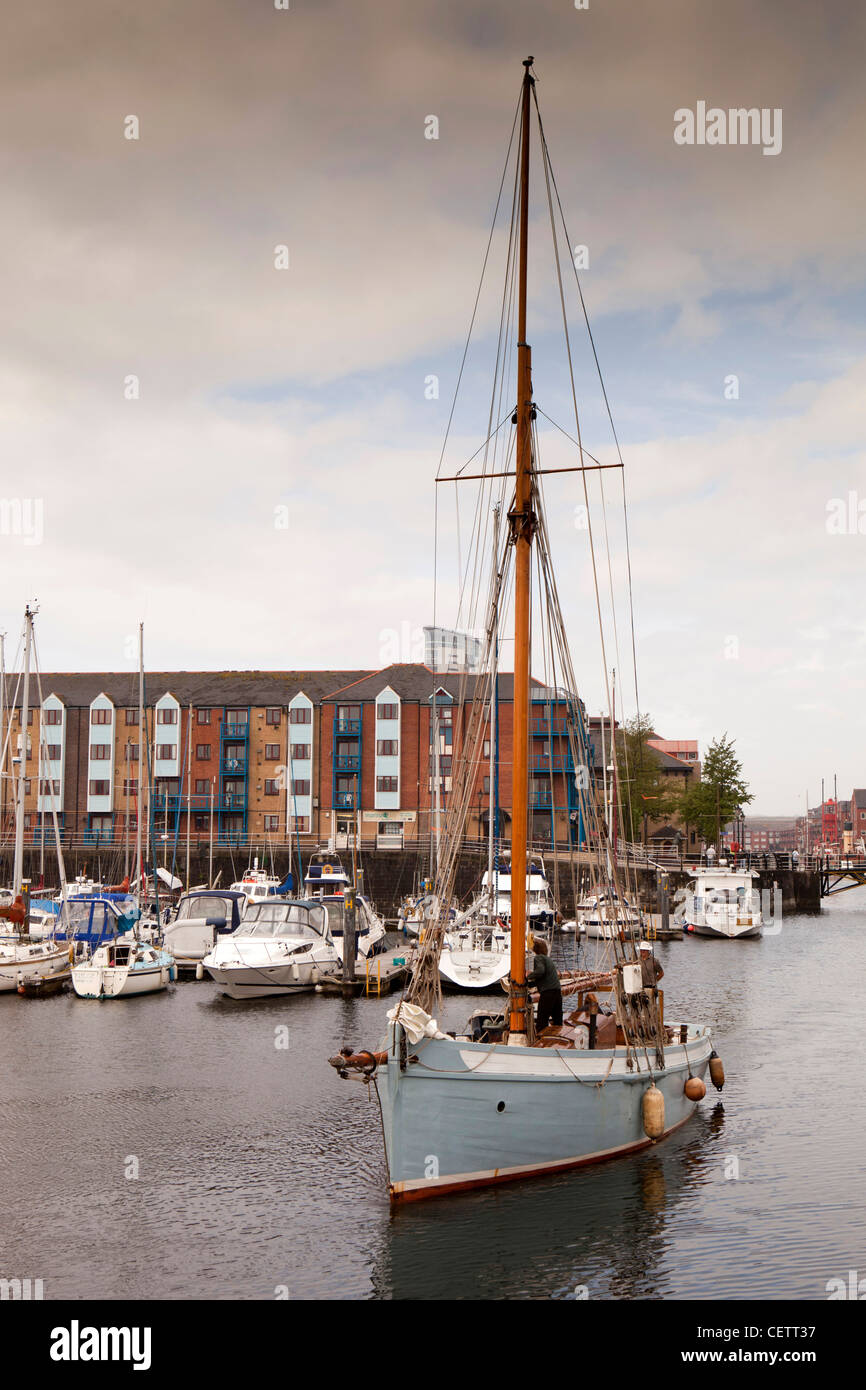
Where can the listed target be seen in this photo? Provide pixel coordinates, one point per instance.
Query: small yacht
(256, 884)
(603, 915)
(282, 946)
(202, 916)
(540, 907)
(476, 954)
(722, 901)
(327, 880)
(123, 968)
(22, 955)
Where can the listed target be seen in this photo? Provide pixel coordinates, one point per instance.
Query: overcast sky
(267, 501)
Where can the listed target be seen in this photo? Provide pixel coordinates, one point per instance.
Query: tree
(719, 795)
(642, 787)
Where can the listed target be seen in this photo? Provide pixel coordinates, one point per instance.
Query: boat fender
(717, 1071)
(172, 973)
(653, 1112)
(199, 971)
(695, 1088)
(296, 974)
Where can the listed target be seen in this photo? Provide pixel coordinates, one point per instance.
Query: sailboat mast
(18, 872)
(522, 527)
(494, 681)
(139, 868)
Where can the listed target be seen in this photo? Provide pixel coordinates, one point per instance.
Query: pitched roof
(200, 688)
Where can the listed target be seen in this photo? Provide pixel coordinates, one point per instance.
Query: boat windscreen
(203, 907)
(283, 919)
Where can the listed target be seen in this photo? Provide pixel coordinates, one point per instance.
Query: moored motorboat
(122, 969)
(283, 946)
(202, 916)
(722, 901)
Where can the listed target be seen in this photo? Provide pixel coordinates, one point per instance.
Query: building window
(387, 747)
(487, 785)
(99, 788)
(387, 711)
(300, 752)
(271, 788)
(132, 716)
(200, 822)
(130, 753)
(28, 820)
(202, 786)
(100, 716)
(301, 787)
(237, 716)
(386, 784)
(202, 716)
(301, 824)
(272, 752)
(202, 752)
(99, 752)
(53, 752)
(272, 716)
(272, 823)
(130, 786)
(302, 714)
(390, 827)
(49, 788)
(52, 716)
(166, 715)
(166, 752)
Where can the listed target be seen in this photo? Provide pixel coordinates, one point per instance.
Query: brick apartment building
(265, 757)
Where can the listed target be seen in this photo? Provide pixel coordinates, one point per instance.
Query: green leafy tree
(714, 801)
(642, 787)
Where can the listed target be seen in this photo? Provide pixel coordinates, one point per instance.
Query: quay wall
(389, 875)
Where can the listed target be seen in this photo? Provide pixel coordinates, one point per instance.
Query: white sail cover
(416, 1023)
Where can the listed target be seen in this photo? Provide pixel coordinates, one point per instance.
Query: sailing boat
(127, 964)
(21, 956)
(499, 1103)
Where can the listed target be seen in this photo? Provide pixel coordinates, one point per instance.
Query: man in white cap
(650, 969)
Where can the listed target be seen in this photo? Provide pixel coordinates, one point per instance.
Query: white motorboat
(202, 917)
(256, 884)
(722, 902)
(282, 946)
(475, 955)
(123, 968)
(604, 915)
(540, 907)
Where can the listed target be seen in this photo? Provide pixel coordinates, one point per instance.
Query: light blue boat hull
(471, 1114)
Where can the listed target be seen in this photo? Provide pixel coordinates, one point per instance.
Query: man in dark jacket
(545, 977)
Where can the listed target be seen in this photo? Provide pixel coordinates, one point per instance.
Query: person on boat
(545, 977)
(650, 969)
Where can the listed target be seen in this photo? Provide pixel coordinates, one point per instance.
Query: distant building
(447, 650)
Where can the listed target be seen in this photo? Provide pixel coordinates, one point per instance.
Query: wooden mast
(523, 521)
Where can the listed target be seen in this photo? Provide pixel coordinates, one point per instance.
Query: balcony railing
(540, 797)
(344, 801)
(179, 803)
(347, 764)
(234, 765)
(97, 837)
(347, 727)
(240, 732)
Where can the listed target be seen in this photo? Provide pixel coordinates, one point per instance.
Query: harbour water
(260, 1174)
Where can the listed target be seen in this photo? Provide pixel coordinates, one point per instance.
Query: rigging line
(548, 172)
(547, 177)
(571, 437)
(604, 395)
(451, 416)
(501, 371)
